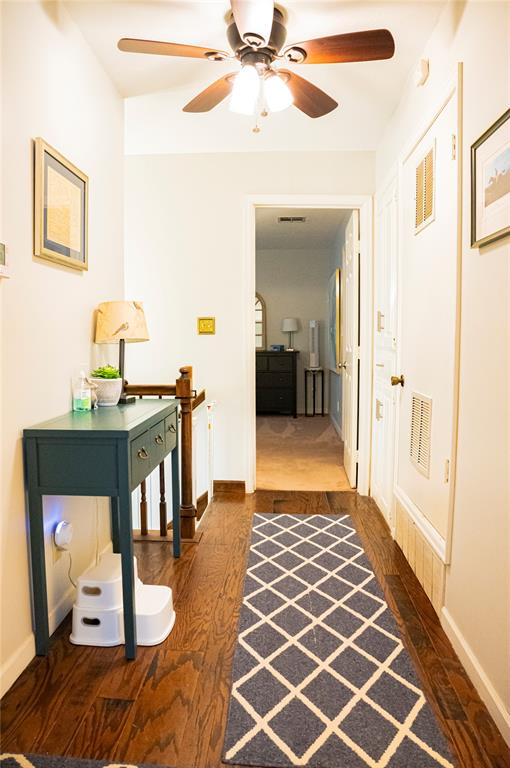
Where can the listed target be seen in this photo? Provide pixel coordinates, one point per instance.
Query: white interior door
(428, 293)
(385, 350)
(350, 347)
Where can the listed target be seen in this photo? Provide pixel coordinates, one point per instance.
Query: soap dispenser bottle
(82, 395)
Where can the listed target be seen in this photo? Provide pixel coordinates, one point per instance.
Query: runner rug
(56, 761)
(320, 675)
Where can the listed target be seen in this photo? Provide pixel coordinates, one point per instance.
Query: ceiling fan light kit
(277, 93)
(256, 33)
(245, 92)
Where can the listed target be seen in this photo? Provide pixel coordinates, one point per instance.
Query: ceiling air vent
(424, 191)
(421, 416)
(291, 219)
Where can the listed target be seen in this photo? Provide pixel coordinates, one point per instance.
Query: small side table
(106, 452)
(315, 372)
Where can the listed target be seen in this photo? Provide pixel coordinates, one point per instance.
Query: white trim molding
(337, 427)
(16, 663)
(427, 530)
(364, 203)
(483, 685)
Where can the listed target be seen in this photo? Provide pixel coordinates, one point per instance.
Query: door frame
(391, 180)
(364, 203)
(442, 547)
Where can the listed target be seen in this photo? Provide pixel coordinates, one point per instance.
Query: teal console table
(106, 452)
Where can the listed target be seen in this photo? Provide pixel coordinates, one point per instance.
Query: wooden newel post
(184, 391)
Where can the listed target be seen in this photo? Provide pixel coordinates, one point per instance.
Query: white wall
(294, 283)
(52, 87)
(477, 602)
(184, 225)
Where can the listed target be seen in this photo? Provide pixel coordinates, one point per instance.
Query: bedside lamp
(121, 321)
(290, 325)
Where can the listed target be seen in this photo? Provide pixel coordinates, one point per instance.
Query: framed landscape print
(490, 184)
(60, 208)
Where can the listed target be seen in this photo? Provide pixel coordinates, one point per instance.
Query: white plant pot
(108, 390)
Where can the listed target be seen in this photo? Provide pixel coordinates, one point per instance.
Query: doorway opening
(310, 327)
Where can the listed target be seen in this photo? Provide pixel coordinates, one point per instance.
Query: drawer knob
(159, 440)
(142, 453)
(171, 428)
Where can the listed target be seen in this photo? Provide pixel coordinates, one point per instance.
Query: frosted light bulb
(245, 92)
(277, 93)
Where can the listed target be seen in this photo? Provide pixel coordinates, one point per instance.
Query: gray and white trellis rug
(320, 675)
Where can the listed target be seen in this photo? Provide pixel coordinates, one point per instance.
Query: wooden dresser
(277, 382)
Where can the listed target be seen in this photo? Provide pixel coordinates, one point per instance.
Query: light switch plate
(206, 325)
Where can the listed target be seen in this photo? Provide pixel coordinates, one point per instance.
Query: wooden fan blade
(212, 95)
(354, 46)
(132, 45)
(307, 97)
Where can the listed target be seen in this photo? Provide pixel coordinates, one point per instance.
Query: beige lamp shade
(118, 320)
(289, 325)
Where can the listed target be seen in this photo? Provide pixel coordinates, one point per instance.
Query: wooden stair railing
(183, 391)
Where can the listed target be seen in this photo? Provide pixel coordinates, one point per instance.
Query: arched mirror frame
(262, 344)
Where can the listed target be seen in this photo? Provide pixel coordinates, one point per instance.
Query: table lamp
(290, 325)
(121, 321)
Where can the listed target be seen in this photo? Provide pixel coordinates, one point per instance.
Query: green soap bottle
(82, 396)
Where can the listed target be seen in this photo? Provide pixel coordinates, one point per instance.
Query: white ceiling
(367, 92)
(318, 232)
(103, 22)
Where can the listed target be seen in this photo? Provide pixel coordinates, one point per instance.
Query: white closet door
(350, 347)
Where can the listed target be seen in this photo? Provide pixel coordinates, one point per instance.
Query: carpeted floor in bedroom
(303, 454)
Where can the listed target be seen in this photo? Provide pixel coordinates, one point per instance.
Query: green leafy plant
(106, 372)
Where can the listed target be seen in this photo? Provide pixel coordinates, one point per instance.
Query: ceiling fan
(256, 33)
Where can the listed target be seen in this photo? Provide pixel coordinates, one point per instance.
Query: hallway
(302, 454)
(170, 706)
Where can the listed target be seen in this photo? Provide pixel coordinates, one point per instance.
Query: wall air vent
(291, 219)
(425, 191)
(421, 418)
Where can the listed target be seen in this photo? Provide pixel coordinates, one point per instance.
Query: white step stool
(101, 586)
(98, 615)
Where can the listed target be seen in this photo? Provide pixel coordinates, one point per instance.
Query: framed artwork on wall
(334, 300)
(60, 209)
(490, 184)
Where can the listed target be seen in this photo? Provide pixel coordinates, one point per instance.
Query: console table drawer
(158, 443)
(142, 457)
(171, 431)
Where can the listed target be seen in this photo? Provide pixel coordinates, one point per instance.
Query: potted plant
(108, 384)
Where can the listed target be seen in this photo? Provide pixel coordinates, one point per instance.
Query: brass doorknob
(342, 366)
(397, 380)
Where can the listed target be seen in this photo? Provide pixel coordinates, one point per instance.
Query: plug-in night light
(63, 534)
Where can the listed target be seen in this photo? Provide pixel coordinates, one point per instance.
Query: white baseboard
(479, 678)
(18, 661)
(338, 428)
(12, 668)
(429, 533)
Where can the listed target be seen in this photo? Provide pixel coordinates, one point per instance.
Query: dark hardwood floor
(170, 705)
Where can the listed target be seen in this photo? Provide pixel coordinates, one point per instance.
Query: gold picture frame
(60, 209)
(490, 184)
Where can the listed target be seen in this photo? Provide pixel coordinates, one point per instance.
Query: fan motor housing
(275, 44)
